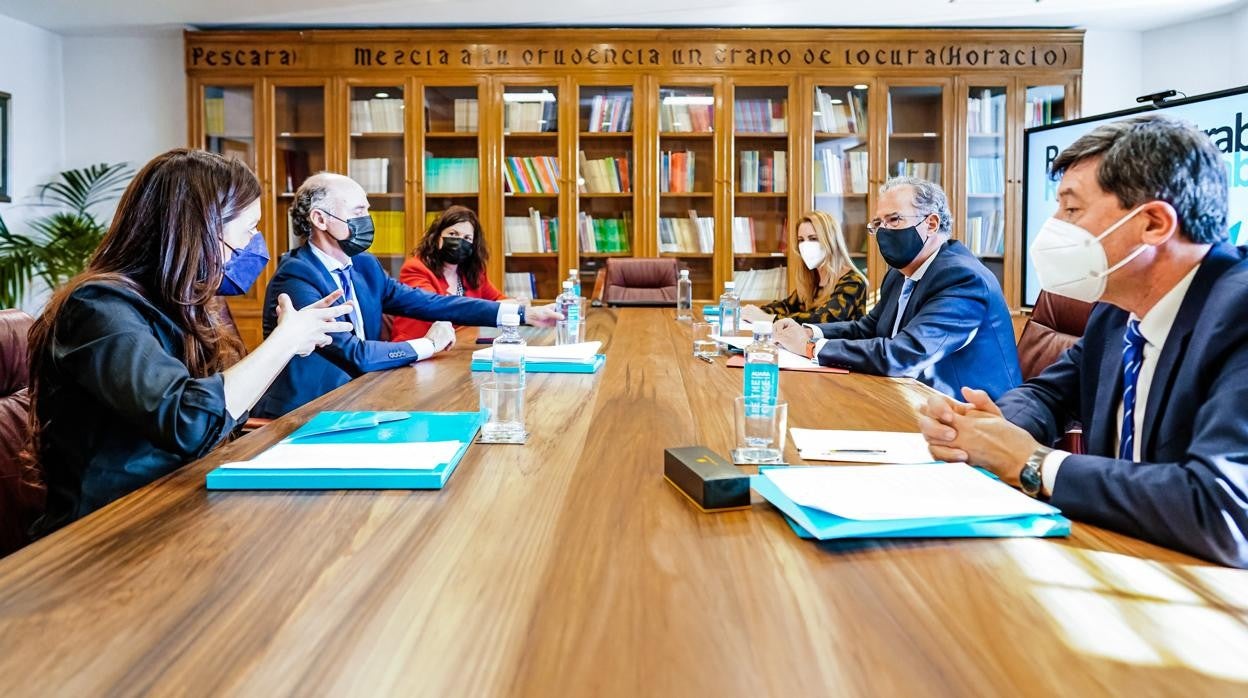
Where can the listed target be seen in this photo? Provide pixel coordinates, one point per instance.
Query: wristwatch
(1031, 479)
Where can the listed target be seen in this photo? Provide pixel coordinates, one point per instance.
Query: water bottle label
(574, 318)
(762, 385)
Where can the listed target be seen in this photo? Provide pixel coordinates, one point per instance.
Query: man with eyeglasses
(940, 319)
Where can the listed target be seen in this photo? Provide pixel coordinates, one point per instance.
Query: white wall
(125, 98)
(1111, 70)
(32, 75)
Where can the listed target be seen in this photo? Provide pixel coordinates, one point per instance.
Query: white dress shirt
(1155, 326)
(423, 347)
(901, 309)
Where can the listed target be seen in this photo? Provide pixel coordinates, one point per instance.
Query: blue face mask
(243, 267)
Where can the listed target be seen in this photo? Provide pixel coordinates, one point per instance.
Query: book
(373, 174)
(610, 114)
(760, 116)
(531, 175)
(529, 234)
(377, 115)
(452, 175)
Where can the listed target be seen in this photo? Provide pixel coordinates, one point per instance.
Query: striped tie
(344, 277)
(1132, 358)
(907, 287)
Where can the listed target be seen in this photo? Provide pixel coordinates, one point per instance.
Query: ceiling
(158, 16)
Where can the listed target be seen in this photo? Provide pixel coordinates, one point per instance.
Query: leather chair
(645, 282)
(21, 496)
(1056, 323)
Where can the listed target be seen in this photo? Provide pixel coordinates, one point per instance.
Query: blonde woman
(829, 289)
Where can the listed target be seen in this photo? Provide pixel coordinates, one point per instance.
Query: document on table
(582, 352)
(899, 492)
(787, 359)
(417, 455)
(861, 446)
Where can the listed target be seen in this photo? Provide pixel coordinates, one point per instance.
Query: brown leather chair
(21, 497)
(1056, 323)
(644, 281)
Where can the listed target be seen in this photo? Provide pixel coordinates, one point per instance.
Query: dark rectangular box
(711, 482)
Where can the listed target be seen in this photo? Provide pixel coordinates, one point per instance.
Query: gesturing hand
(309, 327)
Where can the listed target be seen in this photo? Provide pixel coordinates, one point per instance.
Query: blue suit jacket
(956, 330)
(302, 276)
(1191, 490)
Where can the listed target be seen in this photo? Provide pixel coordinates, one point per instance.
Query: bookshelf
(683, 119)
(841, 166)
(687, 181)
(760, 235)
(533, 185)
(983, 212)
(377, 149)
(606, 177)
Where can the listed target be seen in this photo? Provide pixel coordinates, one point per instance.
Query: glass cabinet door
(605, 221)
(760, 236)
(230, 122)
(984, 220)
(842, 160)
(686, 176)
(377, 161)
(531, 191)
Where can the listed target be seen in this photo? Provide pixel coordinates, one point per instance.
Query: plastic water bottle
(684, 297)
(729, 310)
(508, 353)
(762, 366)
(574, 275)
(568, 330)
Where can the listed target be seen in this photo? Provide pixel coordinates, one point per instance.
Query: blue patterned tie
(344, 276)
(907, 288)
(1132, 358)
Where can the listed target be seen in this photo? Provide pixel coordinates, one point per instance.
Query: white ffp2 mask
(1071, 262)
(812, 253)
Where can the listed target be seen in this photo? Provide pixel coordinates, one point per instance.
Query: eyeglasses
(893, 221)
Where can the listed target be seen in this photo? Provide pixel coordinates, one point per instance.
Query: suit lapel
(1219, 259)
(1103, 432)
(890, 292)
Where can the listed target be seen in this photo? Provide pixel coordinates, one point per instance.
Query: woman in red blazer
(450, 261)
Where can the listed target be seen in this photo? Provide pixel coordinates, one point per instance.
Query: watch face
(1029, 478)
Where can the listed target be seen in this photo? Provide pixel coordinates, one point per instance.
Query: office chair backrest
(640, 281)
(21, 497)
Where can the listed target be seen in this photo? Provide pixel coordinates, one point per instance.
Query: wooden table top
(569, 567)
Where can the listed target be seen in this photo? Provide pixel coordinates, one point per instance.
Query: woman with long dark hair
(131, 375)
(450, 260)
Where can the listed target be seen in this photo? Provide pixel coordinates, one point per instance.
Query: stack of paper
(583, 352)
(939, 500)
(861, 446)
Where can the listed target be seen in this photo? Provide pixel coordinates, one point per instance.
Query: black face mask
(360, 233)
(899, 247)
(455, 251)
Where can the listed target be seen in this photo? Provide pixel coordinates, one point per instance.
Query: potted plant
(62, 242)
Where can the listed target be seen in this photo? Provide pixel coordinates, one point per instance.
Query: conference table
(570, 567)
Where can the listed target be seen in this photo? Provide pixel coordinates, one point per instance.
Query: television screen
(1220, 114)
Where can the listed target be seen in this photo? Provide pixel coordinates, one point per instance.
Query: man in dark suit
(1160, 378)
(330, 213)
(940, 317)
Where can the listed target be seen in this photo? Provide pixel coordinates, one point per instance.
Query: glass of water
(762, 425)
(703, 345)
(503, 404)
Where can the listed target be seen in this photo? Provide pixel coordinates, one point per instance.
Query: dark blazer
(956, 330)
(1191, 490)
(117, 406)
(302, 276)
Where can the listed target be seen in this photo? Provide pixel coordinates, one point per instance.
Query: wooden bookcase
(700, 144)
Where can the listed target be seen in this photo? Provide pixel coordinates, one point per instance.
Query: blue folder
(813, 523)
(355, 428)
(550, 366)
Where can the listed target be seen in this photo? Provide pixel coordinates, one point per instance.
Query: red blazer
(415, 274)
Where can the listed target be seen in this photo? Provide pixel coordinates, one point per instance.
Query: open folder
(582, 357)
(358, 450)
(939, 500)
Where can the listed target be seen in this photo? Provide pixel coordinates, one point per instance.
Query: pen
(707, 359)
(864, 451)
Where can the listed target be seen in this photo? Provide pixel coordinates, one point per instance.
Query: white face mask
(1071, 262)
(812, 253)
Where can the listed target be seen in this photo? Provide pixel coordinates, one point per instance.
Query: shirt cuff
(1048, 471)
(815, 332)
(814, 355)
(423, 347)
(506, 308)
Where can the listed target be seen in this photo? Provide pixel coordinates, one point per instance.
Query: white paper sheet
(582, 352)
(787, 359)
(861, 446)
(891, 492)
(423, 455)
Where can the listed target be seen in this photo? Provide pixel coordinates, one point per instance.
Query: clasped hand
(975, 432)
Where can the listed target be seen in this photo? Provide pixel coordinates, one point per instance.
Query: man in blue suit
(940, 317)
(1160, 378)
(330, 213)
